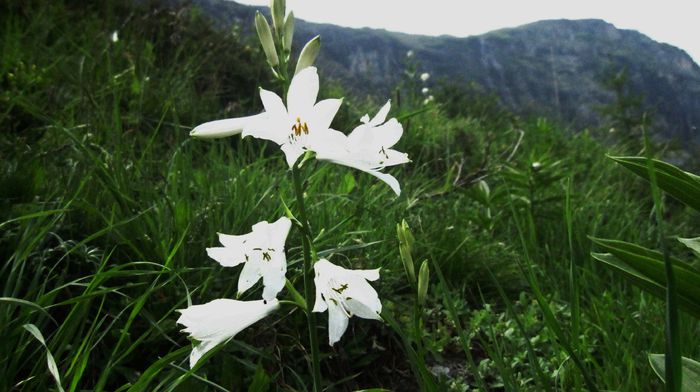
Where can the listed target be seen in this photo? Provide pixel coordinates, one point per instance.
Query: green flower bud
(308, 54)
(288, 32)
(405, 246)
(423, 280)
(266, 40)
(277, 9)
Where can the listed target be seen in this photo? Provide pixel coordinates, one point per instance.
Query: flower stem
(308, 276)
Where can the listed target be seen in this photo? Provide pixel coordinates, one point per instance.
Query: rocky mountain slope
(552, 67)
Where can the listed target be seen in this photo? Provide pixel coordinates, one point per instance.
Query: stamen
(298, 128)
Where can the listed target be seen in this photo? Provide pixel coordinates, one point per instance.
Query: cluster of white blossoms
(343, 292)
(300, 126)
(304, 125)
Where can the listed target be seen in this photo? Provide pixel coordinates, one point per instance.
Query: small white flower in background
(262, 251)
(368, 147)
(300, 126)
(219, 320)
(425, 90)
(115, 36)
(428, 100)
(344, 293)
(409, 54)
(424, 76)
(536, 166)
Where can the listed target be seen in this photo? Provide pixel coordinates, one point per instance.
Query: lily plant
(299, 125)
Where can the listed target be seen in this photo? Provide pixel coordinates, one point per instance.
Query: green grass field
(107, 206)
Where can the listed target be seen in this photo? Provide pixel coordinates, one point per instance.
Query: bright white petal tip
(344, 293)
(217, 321)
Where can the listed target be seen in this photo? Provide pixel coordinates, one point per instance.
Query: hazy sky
(676, 22)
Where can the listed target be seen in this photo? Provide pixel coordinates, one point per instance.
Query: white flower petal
(233, 241)
(292, 152)
(388, 134)
(388, 179)
(274, 278)
(251, 273)
(329, 145)
(268, 127)
(273, 103)
(279, 230)
(337, 323)
(320, 303)
(302, 92)
(227, 257)
(380, 117)
(323, 114)
(393, 158)
(223, 128)
(364, 310)
(369, 274)
(219, 320)
(361, 299)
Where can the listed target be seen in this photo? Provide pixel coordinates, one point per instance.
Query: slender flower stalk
(308, 276)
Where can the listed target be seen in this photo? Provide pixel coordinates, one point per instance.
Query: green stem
(672, 360)
(308, 276)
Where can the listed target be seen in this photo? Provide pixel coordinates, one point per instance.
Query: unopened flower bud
(288, 32)
(266, 40)
(423, 281)
(277, 9)
(405, 247)
(308, 54)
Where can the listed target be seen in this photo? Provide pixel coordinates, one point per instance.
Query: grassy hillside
(108, 205)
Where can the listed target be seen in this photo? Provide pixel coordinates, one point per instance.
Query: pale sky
(676, 22)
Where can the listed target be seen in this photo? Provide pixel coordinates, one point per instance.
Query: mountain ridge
(551, 67)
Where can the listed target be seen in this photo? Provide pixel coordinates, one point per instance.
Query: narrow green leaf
(50, 362)
(646, 284)
(692, 244)
(691, 371)
(680, 184)
(261, 380)
(650, 263)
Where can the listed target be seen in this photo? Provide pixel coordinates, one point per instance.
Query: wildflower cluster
(301, 126)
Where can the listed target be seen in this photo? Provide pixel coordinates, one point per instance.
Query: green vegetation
(107, 207)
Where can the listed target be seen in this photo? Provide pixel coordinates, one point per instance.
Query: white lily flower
(220, 320)
(368, 147)
(262, 251)
(303, 124)
(344, 293)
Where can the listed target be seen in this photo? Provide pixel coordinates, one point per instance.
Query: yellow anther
(298, 128)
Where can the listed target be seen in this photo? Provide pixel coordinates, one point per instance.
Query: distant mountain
(552, 67)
